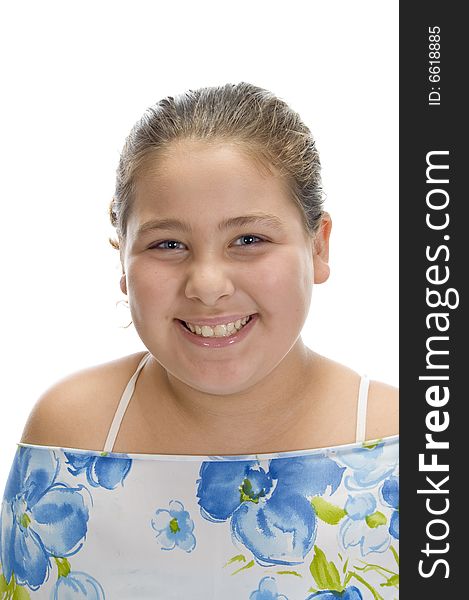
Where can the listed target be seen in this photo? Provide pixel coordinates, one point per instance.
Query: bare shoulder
(383, 411)
(341, 388)
(75, 412)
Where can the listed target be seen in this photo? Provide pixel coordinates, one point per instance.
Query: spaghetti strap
(122, 406)
(361, 408)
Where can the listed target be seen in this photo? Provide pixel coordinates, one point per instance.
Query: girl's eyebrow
(251, 219)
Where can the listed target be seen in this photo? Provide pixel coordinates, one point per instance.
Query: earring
(122, 314)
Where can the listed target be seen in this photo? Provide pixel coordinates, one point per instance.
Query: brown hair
(263, 124)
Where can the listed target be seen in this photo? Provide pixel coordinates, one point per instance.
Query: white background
(77, 78)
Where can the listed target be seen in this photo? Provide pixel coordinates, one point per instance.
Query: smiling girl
(227, 442)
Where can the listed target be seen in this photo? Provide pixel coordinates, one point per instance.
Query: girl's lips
(214, 321)
(216, 342)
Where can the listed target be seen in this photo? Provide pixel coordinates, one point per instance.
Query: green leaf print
(351, 574)
(327, 577)
(392, 581)
(395, 554)
(376, 519)
(391, 578)
(248, 566)
(237, 558)
(63, 566)
(325, 574)
(12, 591)
(327, 512)
(371, 444)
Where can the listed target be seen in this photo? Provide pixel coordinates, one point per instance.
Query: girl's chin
(217, 377)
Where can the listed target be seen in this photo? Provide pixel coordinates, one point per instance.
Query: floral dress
(321, 523)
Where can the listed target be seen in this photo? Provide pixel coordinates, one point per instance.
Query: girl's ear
(123, 284)
(321, 249)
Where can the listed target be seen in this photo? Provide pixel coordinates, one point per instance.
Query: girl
(227, 460)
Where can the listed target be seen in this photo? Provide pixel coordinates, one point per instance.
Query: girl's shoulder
(382, 411)
(76, 411)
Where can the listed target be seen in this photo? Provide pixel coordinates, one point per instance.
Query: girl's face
(207, 262)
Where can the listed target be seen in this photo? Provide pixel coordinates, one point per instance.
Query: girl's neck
(266, 411)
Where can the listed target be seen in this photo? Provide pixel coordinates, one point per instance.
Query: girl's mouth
(221, 330)
(218, 337)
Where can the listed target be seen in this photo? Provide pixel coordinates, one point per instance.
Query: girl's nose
(208, 282)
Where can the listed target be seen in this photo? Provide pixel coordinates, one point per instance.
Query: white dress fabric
(318, 523)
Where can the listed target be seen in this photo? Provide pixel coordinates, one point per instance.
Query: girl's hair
(259, 122)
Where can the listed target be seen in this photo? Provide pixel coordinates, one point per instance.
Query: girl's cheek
(280, 277)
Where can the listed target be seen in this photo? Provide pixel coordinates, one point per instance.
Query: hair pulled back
(260, 122)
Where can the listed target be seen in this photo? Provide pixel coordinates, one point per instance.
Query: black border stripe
(425, 128)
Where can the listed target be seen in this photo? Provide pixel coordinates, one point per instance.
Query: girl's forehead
(206, 175)
(197, 160)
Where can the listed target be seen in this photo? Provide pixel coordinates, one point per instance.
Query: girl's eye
(173, 243)
(249, 237)
(157, 246)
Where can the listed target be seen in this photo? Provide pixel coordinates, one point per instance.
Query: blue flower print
(41, 518)
(103, 471)
(174, 527)
(271, 511)
(223, 485)
(77, 585)
(390, 497)
(358, 529)
(360, 506)
(267, 590)
(370, 465)
(350, 593)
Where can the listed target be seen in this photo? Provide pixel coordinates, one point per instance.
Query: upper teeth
(219, 330)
